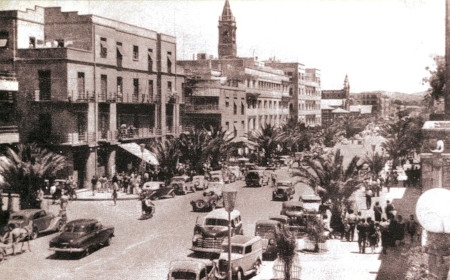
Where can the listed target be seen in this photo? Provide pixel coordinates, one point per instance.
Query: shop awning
(135, 149)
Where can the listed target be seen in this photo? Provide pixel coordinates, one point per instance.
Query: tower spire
(227, 33)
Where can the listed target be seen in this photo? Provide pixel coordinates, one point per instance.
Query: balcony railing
(89, 96)
(74, 138)
(137, 133)
(202, 107)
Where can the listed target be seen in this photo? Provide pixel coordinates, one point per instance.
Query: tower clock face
(226, 36)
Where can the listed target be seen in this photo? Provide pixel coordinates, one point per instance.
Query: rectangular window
(103, 87)
(227, 104)
(234, 108)
(45, 84)
(169, 62)
(135, 86)
(119, 88)
(103, 48)
(81, 83)
(242, 109)
(150, 60)
(4, 36)
(150, 88)
(119, 54)
(32, 42)
(227, 124)
(135, 53)
(169, 86)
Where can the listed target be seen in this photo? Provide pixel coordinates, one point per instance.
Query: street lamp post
(229, 200)
(374, 146)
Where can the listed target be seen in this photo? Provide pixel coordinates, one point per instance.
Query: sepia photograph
(225, 139)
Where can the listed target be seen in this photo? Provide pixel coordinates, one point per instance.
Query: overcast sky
(379, 44)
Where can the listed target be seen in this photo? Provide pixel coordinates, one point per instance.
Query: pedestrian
(53, 192)
(274, 179)
(385, 235)
(64, 200)
(369, 194)
(362, 228)
(372, 235)
(378, 211)
(389, 210)
(346, 231)
(351, 219)
(401, 228)
(388, 181)
(115, 188)
(94, 181)
(378, 186)
(411, 228)
(39, 198)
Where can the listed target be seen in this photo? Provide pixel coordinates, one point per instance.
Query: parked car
(292, 209)
(311, 203)
(210, 232)
(269, 231)
(246, 257)
(37, 221)
(209, 200)
(82, 236)
(284, 190)
(182, 184)
(190, 269)
(200, 182)
(156, 190)
(283, 219)
(256, 178)
(216, 180)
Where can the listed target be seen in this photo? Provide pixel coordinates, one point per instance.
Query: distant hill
(404, 97)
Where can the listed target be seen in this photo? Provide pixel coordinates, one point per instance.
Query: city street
(141, 249)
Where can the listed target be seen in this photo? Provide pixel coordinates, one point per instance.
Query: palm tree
(352, 124)
(26, 168)
(267, 140)
(219, 147)
(328, 177)
(192, 147)
(167, 153)
(286, 251)
(330, 134)
(295, 136)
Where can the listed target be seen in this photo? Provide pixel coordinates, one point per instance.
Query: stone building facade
(89, 84)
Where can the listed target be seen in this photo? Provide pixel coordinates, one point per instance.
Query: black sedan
(82, 236)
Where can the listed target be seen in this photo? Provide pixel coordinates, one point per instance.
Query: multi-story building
(90, 86)
(339, 98)
(304, 91)
(9, 86)
(238, 94)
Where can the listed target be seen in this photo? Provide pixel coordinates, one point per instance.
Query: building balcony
(130, 134)
(73, 138)
(9, 134)
(202, 108)
(90, 96)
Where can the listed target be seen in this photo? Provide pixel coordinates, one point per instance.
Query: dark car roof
(27, 212)
(83, 221)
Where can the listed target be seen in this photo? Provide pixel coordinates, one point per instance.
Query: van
(213, 229)
(190, 269)
(269, 231)
(246, 257)
(256, 178)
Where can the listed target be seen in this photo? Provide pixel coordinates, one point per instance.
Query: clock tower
(227, 33)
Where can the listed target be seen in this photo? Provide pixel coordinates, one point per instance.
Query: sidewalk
(86, 195)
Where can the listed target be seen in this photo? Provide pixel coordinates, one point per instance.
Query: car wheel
(257, 267)
(34, 234)
(200, 204)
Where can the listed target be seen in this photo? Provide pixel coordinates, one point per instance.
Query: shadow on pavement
(394, 263)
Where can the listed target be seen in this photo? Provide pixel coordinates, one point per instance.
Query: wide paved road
(140, 249)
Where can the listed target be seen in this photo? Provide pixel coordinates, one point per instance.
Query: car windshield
(216, 222)
(294, 208)
(262, 230)
(18, 217)
(234, 249)
(184, 275)
(75, 228)
(253, 175)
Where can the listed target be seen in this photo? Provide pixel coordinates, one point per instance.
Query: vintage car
(256, 178)
(156, 190)
(200, 182)
(209, 200)
(311, 203)
(269, 231)
(284, 190)
(236, 171)
(82, 236)
(216, 180)
(283, 219)
(182, 184)
(37, 221)
(190, 269)
(246, 257)
(213, 229)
